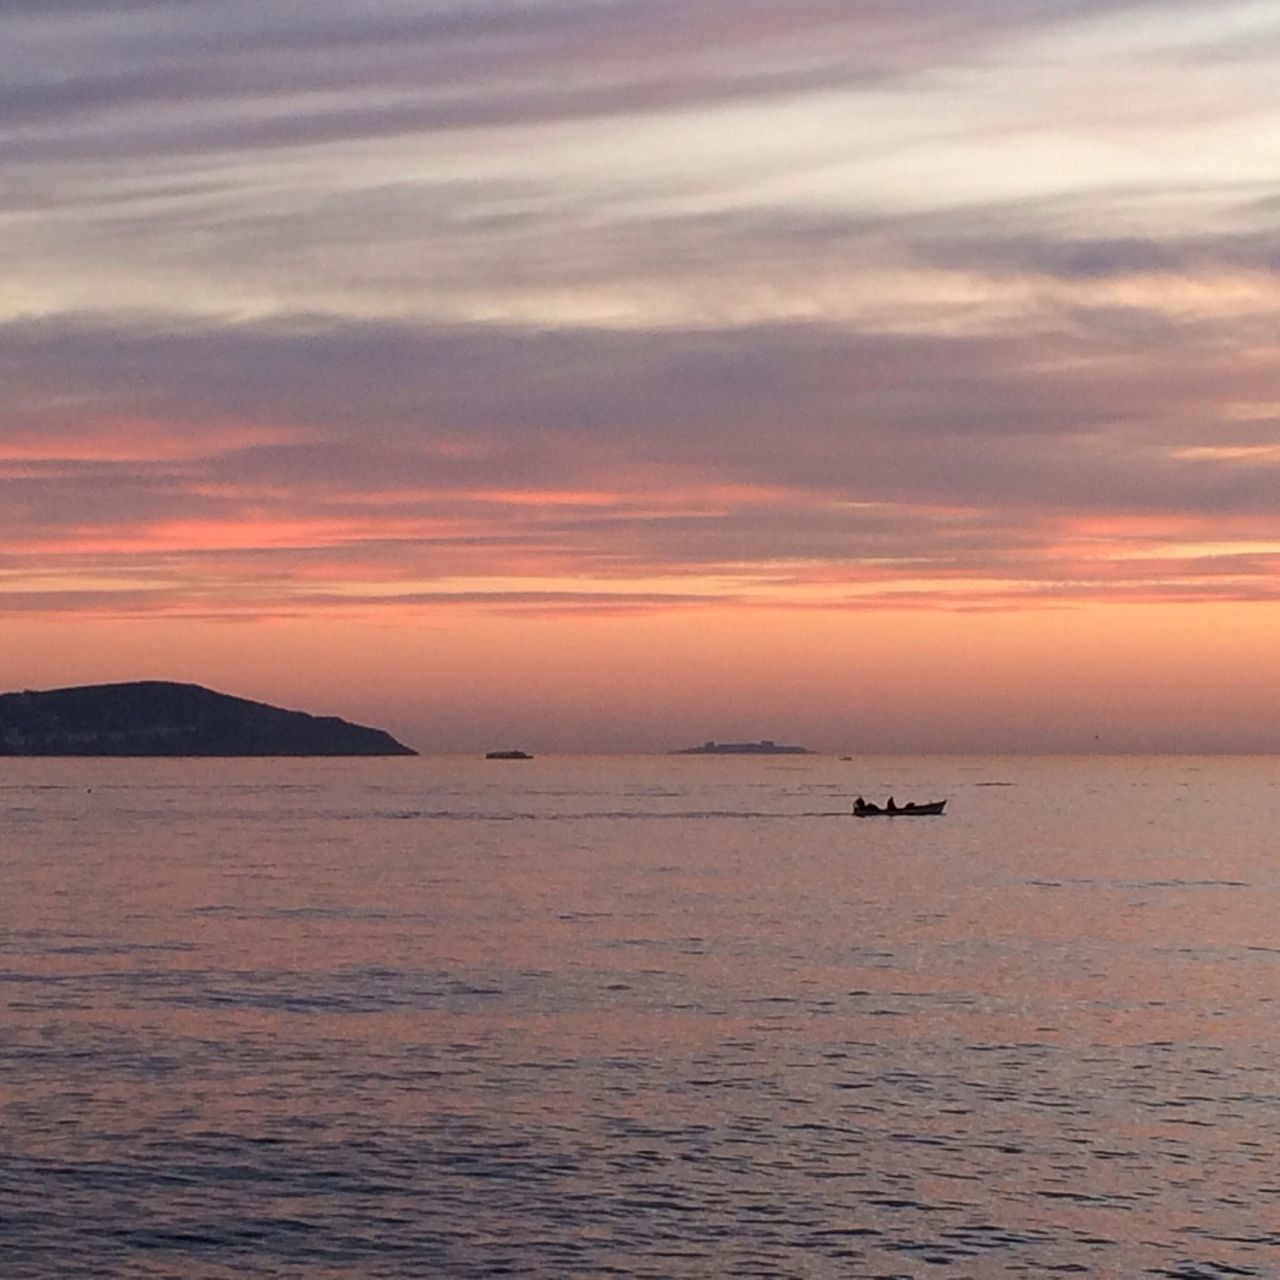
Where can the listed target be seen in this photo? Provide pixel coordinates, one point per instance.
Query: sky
(610, 375)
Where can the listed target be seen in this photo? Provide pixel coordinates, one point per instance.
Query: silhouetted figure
(891, 807)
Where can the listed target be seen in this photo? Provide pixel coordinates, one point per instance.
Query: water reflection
(595, 1020)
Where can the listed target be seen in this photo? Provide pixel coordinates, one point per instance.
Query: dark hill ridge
(160, 718)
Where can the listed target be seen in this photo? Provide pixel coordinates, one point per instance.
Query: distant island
(161, 718)
(507, 755)
(765, 747)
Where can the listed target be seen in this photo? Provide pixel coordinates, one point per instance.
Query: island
(765, 747)
(163, 718)
(507, 755)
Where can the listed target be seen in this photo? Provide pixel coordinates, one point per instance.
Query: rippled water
(643, 1017)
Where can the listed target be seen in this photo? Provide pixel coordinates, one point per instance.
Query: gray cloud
(917, 437)
(1035, 423)
(386, 69)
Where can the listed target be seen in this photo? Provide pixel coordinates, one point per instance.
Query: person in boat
(891, 807)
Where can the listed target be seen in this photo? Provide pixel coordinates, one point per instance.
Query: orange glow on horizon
(1100, 677)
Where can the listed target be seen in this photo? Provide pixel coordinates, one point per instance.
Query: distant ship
(765, 747)
(507, 755)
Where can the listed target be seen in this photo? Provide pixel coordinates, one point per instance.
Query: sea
(645, 1016)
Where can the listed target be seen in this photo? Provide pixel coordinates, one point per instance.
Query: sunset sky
(615, 374)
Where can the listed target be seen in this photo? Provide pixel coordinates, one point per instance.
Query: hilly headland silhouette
(163, 718)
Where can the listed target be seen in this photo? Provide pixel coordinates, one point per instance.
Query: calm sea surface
(648, 1017)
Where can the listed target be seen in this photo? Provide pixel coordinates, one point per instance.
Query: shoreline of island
(765, 747)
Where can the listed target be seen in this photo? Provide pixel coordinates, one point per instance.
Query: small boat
(861, 809)
(507, 755)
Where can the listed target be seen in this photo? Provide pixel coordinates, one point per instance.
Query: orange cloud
(130, 440)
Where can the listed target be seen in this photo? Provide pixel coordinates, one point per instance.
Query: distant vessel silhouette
(765, 747)
(507, 755)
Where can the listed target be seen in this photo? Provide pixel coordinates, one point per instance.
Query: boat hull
(933, 809)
